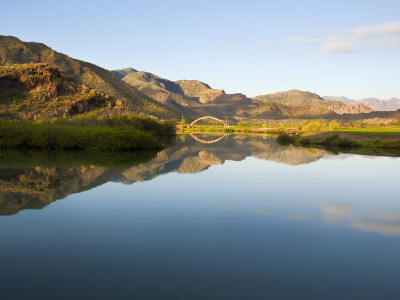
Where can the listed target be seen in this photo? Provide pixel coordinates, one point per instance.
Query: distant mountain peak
(372, 102)
(121, 73)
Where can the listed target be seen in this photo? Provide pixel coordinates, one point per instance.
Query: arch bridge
(208, 117)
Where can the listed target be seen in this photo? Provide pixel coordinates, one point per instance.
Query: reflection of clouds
(381, 226)
(337, 208)
(384, 222)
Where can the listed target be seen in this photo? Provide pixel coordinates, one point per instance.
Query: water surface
(242, 218)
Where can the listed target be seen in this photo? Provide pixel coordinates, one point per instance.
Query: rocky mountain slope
(296, 98)
(374, 103)
(29, 91)
(194, 98)
(14, 51)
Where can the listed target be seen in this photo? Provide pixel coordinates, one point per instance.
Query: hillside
(14, 51)
(374, 103)
(193, 99)
(296, 98)
(121, 73)
(29, 91)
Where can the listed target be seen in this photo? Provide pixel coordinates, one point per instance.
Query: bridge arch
(208, 117)
(207, 141)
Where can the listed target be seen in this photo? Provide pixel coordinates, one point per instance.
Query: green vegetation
(335, 125)
(143, 123)
(183, 122)
(28, 135)
(336, 139)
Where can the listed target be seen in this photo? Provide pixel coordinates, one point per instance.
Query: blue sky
(343, 48)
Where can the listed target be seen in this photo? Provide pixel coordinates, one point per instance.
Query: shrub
(334, 125)
(19, 134)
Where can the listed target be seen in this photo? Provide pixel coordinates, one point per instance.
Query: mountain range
(195, 98)
(374, 103)
(36, 81)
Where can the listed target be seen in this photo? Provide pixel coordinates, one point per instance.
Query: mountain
(191, 98)
(300, 99)
(121, 73)
(374, 103)
(14, 51)
(28, 91)
(339, 98)
(382, 105)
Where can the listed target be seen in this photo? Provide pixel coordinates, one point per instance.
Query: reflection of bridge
(205, 141)
(208, 117)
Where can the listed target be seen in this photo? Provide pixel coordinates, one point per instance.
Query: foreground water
(242, 218)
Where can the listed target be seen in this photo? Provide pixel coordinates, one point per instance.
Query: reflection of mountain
(193, 157)
(34, 183)
(34, 188)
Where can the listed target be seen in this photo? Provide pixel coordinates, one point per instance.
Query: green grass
(28, 135)
(372, 130)
(143, 123)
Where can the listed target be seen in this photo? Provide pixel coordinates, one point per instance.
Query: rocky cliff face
(355, 108)
(29, 91)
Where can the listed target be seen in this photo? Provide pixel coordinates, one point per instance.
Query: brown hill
(296, 98)
(14, 51)
(28, 91)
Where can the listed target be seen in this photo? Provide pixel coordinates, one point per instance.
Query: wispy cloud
(338, 47)
(228, 48)
(379, 35)
(378, 31)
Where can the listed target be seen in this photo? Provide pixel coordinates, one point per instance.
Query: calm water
(242, 218)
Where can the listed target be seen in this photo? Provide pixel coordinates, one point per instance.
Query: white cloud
(379, 35)
(378, 31)
(338, 47)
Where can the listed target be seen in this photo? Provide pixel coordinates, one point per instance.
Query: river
(241, 218)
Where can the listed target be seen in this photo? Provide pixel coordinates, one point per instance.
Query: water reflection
(242, 218)
(32, 180)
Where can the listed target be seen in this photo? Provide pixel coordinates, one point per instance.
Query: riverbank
(182, 129)
(368, 138)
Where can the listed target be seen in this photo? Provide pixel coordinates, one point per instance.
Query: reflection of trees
(35, 179)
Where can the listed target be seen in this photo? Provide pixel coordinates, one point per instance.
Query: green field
(371, 130)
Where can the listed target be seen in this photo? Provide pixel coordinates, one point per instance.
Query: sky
(339, 48)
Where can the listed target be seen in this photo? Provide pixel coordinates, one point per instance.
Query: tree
(314, 126)
(335, 125)
(183, 122)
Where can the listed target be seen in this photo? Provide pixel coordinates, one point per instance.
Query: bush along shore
(53, 136)
(336, 139)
